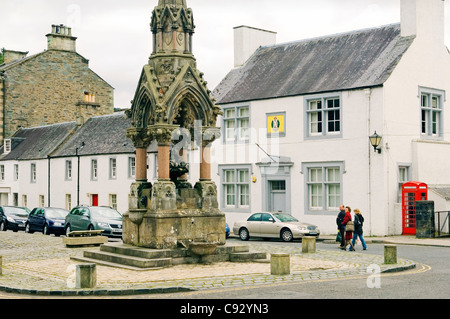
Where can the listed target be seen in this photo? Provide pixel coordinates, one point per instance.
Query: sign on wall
(276, 124)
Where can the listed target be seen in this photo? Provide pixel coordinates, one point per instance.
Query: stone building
(50, 87)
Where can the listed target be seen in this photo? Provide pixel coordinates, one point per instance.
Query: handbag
(349, 227)
(338, 237)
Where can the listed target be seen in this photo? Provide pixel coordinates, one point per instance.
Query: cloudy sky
(115, 34)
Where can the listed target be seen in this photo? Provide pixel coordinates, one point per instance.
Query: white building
(41, 168)
(298, 116)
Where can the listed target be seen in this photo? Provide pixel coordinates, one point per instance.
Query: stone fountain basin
(202, 249)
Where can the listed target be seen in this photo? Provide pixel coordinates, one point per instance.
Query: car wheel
(2, 227)
(244, 234)
(28, 229)
(46, 230)
(286, 235)
(68, 230)
(90, 228)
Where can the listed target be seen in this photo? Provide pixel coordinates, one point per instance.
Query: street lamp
(375, 140)
(78, 171)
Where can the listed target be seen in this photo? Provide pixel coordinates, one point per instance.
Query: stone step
(109, 264)
(247, 256)
(145, 253)
(128, 260)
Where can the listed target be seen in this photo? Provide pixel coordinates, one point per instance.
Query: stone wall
(50, 88)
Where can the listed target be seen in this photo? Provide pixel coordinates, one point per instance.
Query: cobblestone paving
(34, 263)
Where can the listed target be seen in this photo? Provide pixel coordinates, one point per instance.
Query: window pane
(315, 120)
(316, 196)
(424, 100)
(244, 176)
(333, 174)
(315, 175)
(244, 112)
(230, 195)
(230, 113)
(334, 195)
(315, 105)
(244, 198)
(244, 131)
(229, 176)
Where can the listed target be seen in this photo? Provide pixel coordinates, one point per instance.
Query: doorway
(94, 199)
(277, 196)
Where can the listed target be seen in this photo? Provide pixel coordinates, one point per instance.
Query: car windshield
(15, 211)
(56, 213)
(105, 213)
(285, 218)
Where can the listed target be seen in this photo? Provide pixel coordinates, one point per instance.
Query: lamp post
(78, 171)
(375, 140)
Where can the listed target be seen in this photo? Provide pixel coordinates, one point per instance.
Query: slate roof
(357, 59)
(38, 142)
(100, 135)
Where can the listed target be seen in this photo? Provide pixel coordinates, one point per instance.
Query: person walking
(348, 233)
(341, 228)
(358, 223)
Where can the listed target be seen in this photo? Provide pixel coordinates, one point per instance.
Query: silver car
(274, 225)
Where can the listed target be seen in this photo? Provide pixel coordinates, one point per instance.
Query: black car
(13, 218)
(47, 220)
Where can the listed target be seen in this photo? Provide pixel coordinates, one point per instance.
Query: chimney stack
(61, 38)
(247, 40)
(11, 56)
(423, 19)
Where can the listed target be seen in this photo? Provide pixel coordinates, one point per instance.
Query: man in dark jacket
(341, 228)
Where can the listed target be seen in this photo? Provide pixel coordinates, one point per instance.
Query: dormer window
(7, 146)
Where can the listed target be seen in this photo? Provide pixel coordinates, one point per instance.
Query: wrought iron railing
(442, 220)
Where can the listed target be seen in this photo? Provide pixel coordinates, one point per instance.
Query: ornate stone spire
(172, 27)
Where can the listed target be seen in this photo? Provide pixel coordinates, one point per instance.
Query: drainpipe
(368, 93)
(49, 181)
(3, 78)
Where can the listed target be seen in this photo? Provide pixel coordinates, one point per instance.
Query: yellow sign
(275, 124)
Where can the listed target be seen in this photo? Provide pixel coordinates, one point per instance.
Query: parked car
(47, 220)
(274, 225)
(13, 218)
(227, 231)
(102, 218)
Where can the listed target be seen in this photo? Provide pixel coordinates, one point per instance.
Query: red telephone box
(411, 193)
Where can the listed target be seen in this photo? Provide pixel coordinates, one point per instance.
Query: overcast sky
(115, 34)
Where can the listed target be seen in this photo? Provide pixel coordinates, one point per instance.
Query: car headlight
(104, 225)
(302, 228)
(10, 219)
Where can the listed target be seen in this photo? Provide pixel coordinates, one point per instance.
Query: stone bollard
(309, 244)
(390, 254)
(280, 264)
(1, 265)
(86, 276)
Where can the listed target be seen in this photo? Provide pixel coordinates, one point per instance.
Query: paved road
(26, 253)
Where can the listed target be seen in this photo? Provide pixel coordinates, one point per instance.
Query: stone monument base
(172, 229)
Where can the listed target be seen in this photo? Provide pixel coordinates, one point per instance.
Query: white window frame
(324, 116)
(324, 201)
(431, 107)
(234, 115)
(113, 201)
(113, 168)
(16, 172)
(33, 173)
(131, 167)
(94, 169)
(69, 170)
(240, 189)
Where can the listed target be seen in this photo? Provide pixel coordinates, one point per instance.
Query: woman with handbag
(349, 228)
(358, 232)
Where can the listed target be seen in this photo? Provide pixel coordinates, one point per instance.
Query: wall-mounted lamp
(375, 140)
